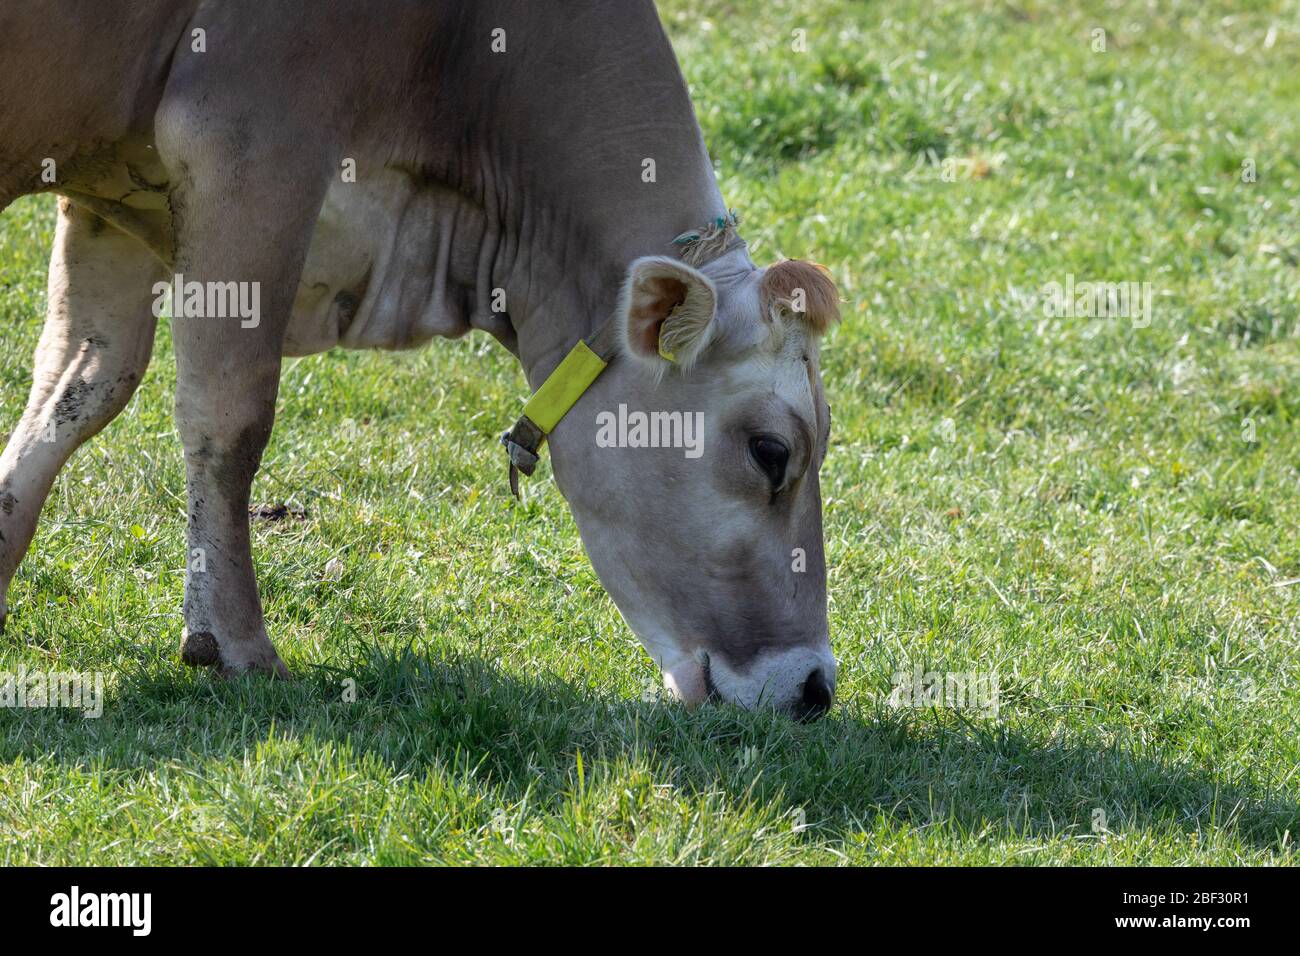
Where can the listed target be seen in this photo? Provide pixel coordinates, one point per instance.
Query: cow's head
(712, 547)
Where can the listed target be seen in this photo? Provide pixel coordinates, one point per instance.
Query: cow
(375, 173)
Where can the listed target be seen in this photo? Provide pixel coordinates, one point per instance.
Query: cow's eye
(771, 456)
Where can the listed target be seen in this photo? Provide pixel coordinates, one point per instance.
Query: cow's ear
(667, 312)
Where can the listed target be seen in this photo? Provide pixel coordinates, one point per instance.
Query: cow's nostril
(816, 696)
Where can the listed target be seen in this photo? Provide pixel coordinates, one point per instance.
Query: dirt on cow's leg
(227, 378)
(245, 202)
(93, 353)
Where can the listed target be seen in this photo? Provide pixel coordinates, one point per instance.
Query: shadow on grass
(415, 712)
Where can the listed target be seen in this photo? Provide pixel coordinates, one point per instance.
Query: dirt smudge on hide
(348, 302)
(233, 470)
(70, 403)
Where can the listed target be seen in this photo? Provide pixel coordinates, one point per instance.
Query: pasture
(1099, 515)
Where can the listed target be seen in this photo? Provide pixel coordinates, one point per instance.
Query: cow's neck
(604, 164)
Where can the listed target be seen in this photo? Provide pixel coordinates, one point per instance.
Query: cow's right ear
(666, 312)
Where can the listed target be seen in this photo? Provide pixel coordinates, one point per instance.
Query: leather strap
(552, 401)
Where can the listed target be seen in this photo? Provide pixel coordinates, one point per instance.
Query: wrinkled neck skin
(560, 167)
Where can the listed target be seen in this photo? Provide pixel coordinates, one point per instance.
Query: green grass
(1091, 527)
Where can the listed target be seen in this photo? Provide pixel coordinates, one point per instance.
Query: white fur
(775, 680)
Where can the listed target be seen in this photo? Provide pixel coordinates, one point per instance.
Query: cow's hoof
(201, 649)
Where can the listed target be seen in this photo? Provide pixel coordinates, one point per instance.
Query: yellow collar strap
(552, 401)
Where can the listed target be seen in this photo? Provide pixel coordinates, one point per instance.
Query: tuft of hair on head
(804, 289)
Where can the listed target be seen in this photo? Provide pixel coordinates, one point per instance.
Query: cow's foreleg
(243, 219)
(93, 353)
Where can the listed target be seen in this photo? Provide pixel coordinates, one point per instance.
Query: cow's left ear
(666, 312)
